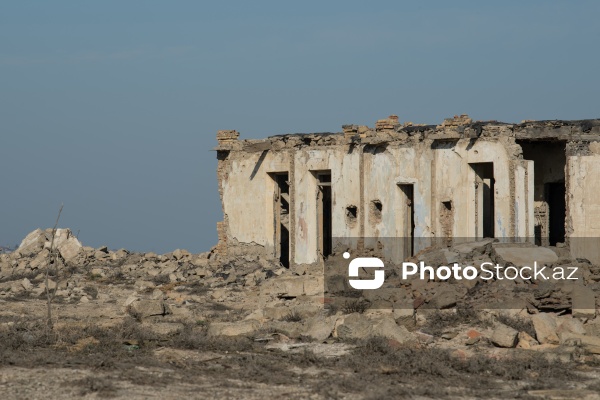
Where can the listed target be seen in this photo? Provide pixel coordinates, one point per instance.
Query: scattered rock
(142, 308)
(26, 283)
(293, 286)
(526, 341)
(445, 298)
(589, 343)
(246, 327)
(545, 328)
(164, 328)
(358, 326)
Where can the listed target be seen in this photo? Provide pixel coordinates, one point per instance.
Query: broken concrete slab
(523, 255)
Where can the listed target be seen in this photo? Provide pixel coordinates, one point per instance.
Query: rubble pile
(259, 298)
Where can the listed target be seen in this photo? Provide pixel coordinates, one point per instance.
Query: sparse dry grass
(441, 320)
(392, 371)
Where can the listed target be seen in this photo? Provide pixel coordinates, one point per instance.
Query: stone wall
(369, 168)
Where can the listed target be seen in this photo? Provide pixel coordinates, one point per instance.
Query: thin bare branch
(53, 260)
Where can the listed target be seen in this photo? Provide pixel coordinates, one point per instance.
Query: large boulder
(64, 241)
(33, 243)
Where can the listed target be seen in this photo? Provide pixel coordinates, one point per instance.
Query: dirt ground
(140, 326)
(125, 359)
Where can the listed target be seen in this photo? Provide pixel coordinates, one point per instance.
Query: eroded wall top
(391, 130)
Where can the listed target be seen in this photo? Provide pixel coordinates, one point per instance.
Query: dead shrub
(92, 291)
(196, 338)
(292, 316)
(438, 321)
(436, 362)
(355, 306)
(19, 276)
(196, 288)
(161, 279)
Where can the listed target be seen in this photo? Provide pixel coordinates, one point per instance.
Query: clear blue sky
(112, 107)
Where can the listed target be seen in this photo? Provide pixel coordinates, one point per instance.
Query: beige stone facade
(287, 196)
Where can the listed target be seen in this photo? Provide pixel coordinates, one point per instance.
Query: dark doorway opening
(324, 220)
(555, 196)
(408, 216)
(281, 207)
(549, 160)
(484, 199)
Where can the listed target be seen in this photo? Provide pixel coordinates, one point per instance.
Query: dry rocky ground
(180, 325)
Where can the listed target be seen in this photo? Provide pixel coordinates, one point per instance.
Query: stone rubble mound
(258, 298)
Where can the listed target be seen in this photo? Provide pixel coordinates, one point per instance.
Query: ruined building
(290, 196)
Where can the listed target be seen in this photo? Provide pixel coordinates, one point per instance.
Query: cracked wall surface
(368, 165)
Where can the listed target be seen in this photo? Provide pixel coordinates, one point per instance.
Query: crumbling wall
(371, 170)
(455, 179)
(345, 184)
(385, 168)
(583, 199)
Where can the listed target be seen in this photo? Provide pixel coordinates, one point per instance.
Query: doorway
(555, 196)
(408, 218)
(549, 161)
(324, 220)
(484, 199)
(281, 209)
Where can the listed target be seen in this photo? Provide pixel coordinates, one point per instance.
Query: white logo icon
(365, 262)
